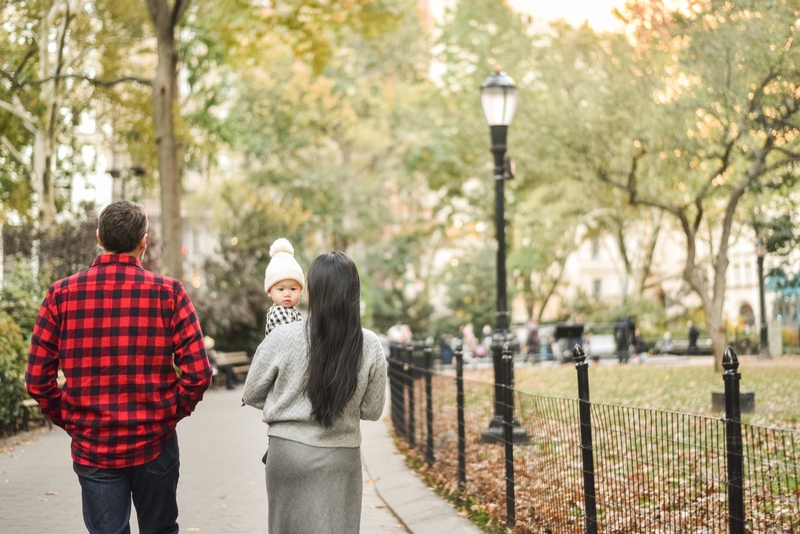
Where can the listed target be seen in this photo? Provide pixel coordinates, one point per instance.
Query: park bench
(601, 346)
(681, 346)
(30, 407)
(31, 411)
(230, 365)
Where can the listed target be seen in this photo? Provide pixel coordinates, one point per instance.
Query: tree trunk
(164, 102)
(719, 336)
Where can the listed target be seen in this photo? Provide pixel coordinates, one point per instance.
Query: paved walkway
(222, 486)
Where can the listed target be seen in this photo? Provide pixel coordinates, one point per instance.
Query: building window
(595, 249)
(598, 287)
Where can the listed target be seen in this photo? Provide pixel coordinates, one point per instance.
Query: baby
(283, 282)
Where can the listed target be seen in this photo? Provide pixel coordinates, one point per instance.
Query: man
(694, 335)
(115, 330)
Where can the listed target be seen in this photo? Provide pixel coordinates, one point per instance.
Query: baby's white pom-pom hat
(282, 266)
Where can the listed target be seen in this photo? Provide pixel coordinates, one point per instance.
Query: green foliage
(650, 317)
(471, 288)
(44, 98)
(13, 357)
(315, 28)
(71, 247)
(22, 293)
(63, 250)
(781, 234)
(384, 272)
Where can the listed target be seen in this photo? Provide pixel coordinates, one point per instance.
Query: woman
(315, 380)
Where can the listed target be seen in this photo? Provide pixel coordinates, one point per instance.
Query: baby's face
(285, 293)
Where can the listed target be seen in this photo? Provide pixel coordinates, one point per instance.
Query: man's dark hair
(335, 339)
(122, 226)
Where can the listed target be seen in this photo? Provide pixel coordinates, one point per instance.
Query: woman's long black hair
(335, 339)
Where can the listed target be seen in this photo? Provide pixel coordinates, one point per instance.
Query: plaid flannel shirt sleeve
(278, 315)
(190, 355)
(41, 373)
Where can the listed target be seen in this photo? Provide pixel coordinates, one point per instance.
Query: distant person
(314, 382)
(624, 330)
(553, 348)
(399, 333)
(532, 341)
(666, 343)
(118, 332)
(470, 341)
(446, 348)
(694, 335)
(639, 347)
(283, 282)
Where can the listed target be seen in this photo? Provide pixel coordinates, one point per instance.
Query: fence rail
(589, 467)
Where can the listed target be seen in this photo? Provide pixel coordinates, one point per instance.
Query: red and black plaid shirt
(114, 329)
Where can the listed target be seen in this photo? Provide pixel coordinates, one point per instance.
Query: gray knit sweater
(276, 381)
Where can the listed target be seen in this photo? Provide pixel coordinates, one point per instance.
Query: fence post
(733, 442)
(508, 427)
(462, 436)
(411, 436)
(428, 352)
(587, 449)
(396, 391)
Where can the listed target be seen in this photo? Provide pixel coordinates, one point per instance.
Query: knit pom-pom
(281, 245)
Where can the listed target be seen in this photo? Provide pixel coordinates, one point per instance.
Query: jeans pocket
(167, 460)
(84, 470)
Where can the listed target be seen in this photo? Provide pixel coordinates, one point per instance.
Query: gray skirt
(312, 490)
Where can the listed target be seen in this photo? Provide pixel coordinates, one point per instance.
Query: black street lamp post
(761, 251)
(499, 103)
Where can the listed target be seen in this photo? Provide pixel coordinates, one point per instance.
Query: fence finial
(507, 354)
(729, 360)
(577, 354)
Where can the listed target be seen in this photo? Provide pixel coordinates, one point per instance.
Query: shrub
(13, 357)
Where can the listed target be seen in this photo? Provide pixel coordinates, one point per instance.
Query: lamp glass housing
(499, 99)
(761, 248)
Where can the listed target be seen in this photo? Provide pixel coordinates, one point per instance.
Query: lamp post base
(497, 434)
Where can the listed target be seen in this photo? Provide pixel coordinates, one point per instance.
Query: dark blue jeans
(153, 486)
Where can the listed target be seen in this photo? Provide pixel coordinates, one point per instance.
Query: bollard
(462, 436)
(411, 429)
(733, 442)
(587, 450)
(508, 427)
(428, 352)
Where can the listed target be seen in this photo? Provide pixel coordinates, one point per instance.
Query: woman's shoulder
(372, 342)
(289, 332)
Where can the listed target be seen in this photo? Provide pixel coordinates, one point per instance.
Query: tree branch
(788, 153)
(178, 11)
(756, 170)
(723, 166)
(156, 8)
(777, 165)
(93, 81)
(18, 111)
(651, 248)
(16, 155)
(31, 51)
(631, 189)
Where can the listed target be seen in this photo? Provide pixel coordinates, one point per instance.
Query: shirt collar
(124, 259)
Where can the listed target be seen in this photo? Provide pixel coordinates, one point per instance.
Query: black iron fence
(588, 467)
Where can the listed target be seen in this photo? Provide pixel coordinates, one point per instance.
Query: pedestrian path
(221, 488)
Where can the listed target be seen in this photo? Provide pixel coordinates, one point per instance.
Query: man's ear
(98, 238)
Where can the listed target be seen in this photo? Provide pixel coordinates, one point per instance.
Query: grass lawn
(679, 388)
